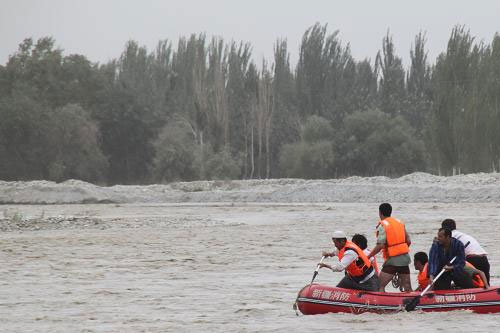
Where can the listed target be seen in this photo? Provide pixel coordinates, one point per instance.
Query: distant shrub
(175, 154)
(222, 166)
(317, 129)
(74, 141)
(374, 143)
(308, 160)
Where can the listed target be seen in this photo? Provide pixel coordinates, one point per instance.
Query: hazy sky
(99, 29)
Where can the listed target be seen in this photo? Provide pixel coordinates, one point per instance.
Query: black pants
(480, 263)
(372, 284)
(461, 280)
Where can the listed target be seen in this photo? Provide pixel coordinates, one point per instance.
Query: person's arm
(347, 259)
(433, 265)
(482, 276)
(375, 250)
(407, 237)
(328, 254)
(459, 263)
(381, 240)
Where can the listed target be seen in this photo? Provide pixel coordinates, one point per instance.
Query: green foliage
(38, 66)
(314, 160)
(37, 143)
(392, 81)
(238, 99)
(130, 115)
(317, 129)
(23, 137)
(41, 136)
(311, 71)
(375, 143)
(464, 114)
(313, 157)
(202, 109)
(285, 122)
(326, 75)
(418, 106)
(222, 166)
(73, 146)
(175, 154)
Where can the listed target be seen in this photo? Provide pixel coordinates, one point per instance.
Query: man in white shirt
(474, 253)
(360, 272)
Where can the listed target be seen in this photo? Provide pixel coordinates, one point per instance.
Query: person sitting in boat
(362, 242)
(360, 272)
(420, 262)
(441, 253)
(478, 277)
(393, 239)
(474, 253)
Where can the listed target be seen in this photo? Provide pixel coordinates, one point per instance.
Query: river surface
(204, 267)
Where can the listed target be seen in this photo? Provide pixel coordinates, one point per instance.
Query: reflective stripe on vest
(358, 267)
(395, 237)
(423, 279)
(476, 278)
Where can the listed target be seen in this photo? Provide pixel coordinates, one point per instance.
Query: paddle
(314, 276)
(316, 271)
(414, 302)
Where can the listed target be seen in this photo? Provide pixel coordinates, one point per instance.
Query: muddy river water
(222, 267)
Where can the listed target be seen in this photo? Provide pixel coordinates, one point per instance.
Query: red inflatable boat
(318, 299)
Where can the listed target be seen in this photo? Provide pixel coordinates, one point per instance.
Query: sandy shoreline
(416, 187)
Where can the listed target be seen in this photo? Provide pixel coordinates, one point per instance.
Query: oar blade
(411, 305)
(314, 276)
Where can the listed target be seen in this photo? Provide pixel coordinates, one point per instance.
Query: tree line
(203, 109)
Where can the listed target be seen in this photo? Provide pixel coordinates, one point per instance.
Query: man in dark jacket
(474, 253)
(440, 255)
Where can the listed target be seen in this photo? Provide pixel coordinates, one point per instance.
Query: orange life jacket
(395, 236)
(476, 278)
(373, 260)
(360, 267)
(423, 279)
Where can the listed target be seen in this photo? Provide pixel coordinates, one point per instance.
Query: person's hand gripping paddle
(414, 302)
(314, 276)
(410, 306)
(317, 269)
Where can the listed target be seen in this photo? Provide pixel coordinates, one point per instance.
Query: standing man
(442, 251)
(359, 270)
(395, 242)
(474, 253)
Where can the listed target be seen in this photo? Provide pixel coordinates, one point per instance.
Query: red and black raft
(319, 299)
